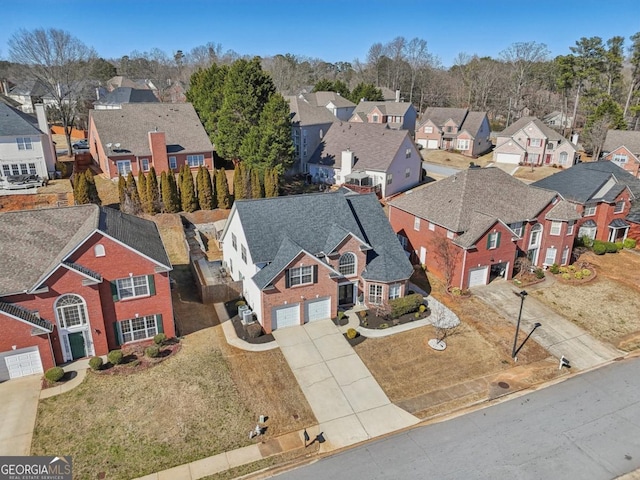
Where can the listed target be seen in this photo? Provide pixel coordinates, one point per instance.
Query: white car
(20, 182)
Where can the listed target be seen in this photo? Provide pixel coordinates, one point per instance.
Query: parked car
(81, 145)
(19, 182)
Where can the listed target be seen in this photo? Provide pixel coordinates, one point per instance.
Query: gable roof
(121, 81)
(13, 122)
(387, 108)
(322, 99)
(473, 122)
(130, 125)
(127, 95)
(374, 146)
(474, 199)
(278, 229)
(582, 182)
(29, 88)
(619, 138)
(521, 123)
(35, 242)
(440, 115)
(305, 112)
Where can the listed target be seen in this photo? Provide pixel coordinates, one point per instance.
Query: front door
(76, 342)
(345, 294)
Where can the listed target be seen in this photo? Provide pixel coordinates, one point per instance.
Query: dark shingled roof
(127, 95)
(35, 242)
(278, 229)
(619, 138)
(24, 314)
(14, 122)
(470, 201)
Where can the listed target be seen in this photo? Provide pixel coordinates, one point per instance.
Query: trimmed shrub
(95, 363)
(341, 315)
(629, 243)
(571, 268)
(563, 270)
(352, 333)
(54, 374)
(240, 303)
(611, 247)
(586, 272)
(539, 273)
(619, 245)
(416, 315)
(578, 275)
(566, 276)
(115, 357)
(384, 325)
(152, 351)
(422, 308)
(159, 339)
(587, 241)
(555, 268)
(599, 248)
(403, 305)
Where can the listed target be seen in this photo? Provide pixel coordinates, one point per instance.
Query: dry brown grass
(454, 160)
(606, 307)
(172, 233)
(107, 190)
(538, 173)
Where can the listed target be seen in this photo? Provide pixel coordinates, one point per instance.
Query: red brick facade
(632, 164)
(605, 214)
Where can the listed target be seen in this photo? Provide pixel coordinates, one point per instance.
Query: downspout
(464, 265)
(53, 357)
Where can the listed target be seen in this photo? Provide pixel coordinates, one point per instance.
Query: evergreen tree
(122, 186)
(205, 190)
(368, 91)
(276, 146)
(239, 181)
(268, 183)
(222, 189)
(152, 198)
(170, 198)
(81, 190)
(188, 199)
(92, 190)
(206, 94)
(274, 189)
(131, 202)
(256, 185)
(142, 188)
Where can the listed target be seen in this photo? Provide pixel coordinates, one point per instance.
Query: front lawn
(453, 159)
(201, 402)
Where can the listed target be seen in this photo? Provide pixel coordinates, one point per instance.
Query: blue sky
(328, 29)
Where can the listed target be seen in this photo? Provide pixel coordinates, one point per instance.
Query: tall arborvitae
(222, 189)
(238, 182)
(81, 190)
(131, 202)
(188, 198)
(152, 199)
(246, 180)
(170, 202)
(92, 190)
(273, 190)
(268, 183)
(256, 186)
(142, 188)
(205, 191)
(122, 186)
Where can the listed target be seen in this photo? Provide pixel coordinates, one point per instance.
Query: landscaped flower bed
(580, 272)
(397, 312)
(138, 357)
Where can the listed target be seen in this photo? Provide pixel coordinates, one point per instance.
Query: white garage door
(432, 144)
(513, 158)
(317, 309)
(423, 142)
(478, 276)
(286, 316)
(23, 364)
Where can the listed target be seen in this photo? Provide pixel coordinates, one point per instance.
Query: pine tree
(169, 193)
(268, 183)
(122, 187)
(152, 198)
(256, 185)
(81, 190)
(188, 198)
(239, 191)
(222, 189)
(142, 188)
(92, 190)
(205, 190)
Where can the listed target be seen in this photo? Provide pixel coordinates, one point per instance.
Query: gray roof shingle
(550, 133)
(305, 113)
(387, 108)
(35, 242)
(277, 229)
(24, 314)
(619, 138)
(474, 198)
(127, 95)
(130, 126)
(374, 146)
(14, 122)
(440, 115)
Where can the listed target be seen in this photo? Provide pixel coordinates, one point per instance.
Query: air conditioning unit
(242, 309)
(247, 317)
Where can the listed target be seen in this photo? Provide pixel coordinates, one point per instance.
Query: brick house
(471, 227)
(77, 282)
(397, 115)
(301, 257)
(531, 142)
(454, 129)
(605, 196)
(367, 158)
(622, 147)
(139, 136)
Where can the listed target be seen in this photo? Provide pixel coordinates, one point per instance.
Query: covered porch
(361, 182)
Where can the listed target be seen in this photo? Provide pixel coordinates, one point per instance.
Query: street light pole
(522, 294)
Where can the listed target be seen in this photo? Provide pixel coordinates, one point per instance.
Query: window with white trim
(72, 311)
(195, 160)
(374, 118)
(570, 227)
(132, 287)
(347, 264)
(300, 275)
(619, 208)
(407, 153)
(375, 294)
(389, 179)
(98, 250)
(243, 253)
(124, 167)
(463, 144)
(394, 291)
(173, 163)
(404, 241)
(416, 224)
(565, 256)
(450, 234)
(24, 143)
(144, 162)
(407, 173)
(234, 242)
(535, 142)
(619, 158)
(138, 328)
(533, 158)
(564, 156)
(550, 256)
(19, 169)
(589, 211)
(493, 241)
(556, 228)
(432, 226)
(428, 129)
(517, 228)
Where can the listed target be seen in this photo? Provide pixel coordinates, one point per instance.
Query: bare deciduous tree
(447, 257)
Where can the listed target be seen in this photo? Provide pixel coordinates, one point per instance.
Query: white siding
(9, 153)
(398, 166)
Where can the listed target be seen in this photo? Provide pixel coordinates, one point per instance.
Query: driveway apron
(347, 401)
(557, 335)
(18, 408)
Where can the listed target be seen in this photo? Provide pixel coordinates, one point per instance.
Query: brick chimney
(158, 147)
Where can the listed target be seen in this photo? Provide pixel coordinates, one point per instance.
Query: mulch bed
(376, 322)
(573, 280)
(242, 333)
(134, 359)
(526, 279)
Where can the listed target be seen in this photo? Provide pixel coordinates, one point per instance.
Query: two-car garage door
(513, 158)
(289, 315)
(20, 364)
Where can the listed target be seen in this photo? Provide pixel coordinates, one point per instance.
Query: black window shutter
(114, 292)
(488, 241)
(159, 326)
(287, 280)
(498, 240)
(117, 335)
(152, 285)
(315, 274)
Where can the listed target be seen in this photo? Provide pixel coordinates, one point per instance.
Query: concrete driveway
(557, 335)
(18, 407)
(347, 401)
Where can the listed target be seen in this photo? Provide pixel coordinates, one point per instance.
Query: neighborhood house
(622, 147)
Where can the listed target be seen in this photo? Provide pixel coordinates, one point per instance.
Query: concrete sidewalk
(557, 335)
(18, 409)
(346, 400)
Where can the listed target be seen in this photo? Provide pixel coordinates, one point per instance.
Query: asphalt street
(435, 168)
(587, 428)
